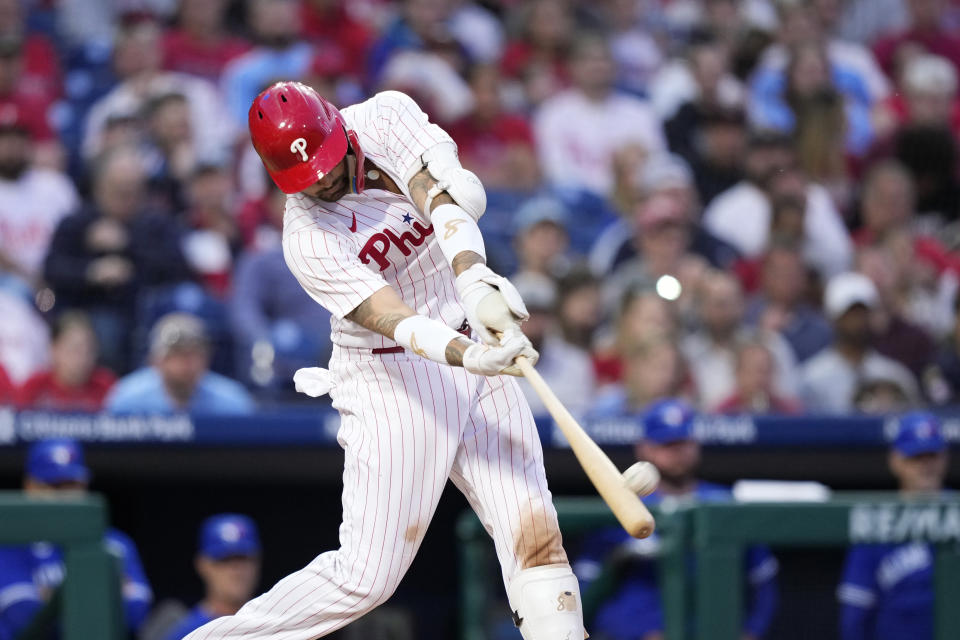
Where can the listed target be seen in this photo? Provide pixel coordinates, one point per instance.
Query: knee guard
(546, 603)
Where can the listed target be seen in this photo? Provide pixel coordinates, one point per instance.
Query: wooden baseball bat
(609, 482)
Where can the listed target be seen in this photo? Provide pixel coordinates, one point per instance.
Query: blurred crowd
(750, 204)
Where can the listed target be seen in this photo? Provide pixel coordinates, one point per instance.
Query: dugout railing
(89, 598)
(715, 536)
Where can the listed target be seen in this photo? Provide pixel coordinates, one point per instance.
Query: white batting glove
(492, 304)
(485, 360)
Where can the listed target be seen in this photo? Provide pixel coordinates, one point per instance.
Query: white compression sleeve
(456, 231)
(425, 337)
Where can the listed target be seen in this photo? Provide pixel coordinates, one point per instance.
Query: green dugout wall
(717, 534)
(89, 597)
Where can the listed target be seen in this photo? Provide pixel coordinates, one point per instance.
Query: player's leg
(400, 432)
(499, 468)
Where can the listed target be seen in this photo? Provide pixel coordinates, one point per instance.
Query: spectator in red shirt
(754, 378)
(538, 58)
(199, 44)
(30, 102)
(496, 145)
(41, 65)
(926, 32)
(329, 22)
(74, 382)
(7, 390)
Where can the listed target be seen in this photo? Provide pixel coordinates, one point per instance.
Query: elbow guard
(461, 184)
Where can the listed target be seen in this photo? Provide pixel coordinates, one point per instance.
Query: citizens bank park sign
(896, 523)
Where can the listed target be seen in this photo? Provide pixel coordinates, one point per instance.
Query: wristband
(425, 337)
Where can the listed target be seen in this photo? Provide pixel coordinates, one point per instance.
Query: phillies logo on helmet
(300, 146)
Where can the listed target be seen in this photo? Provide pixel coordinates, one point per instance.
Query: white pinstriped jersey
(342, 252)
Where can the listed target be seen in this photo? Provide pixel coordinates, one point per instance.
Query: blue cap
(229, 534)
(919, 433)
(669, 420)
(56, 461)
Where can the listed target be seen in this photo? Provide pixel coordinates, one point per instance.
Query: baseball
(641, 478)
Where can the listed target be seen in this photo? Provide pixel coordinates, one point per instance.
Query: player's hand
(492, 304)
(488, 360)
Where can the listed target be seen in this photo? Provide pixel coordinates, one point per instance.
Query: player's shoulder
(118, 543)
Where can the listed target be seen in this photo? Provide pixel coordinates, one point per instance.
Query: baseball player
(381, 229)
(30, 573)
(887, 589)
(633, 610)
(228, 561)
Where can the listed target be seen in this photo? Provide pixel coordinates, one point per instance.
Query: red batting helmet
(300, 136)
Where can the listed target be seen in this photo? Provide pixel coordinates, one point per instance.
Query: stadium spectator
(33, 200)
(714, 345)
(636, 52)
(699, 79)
(137, 60)
(8, 392)
(830, 378)
(928, 94)
(199, 43)
(30, 103)
(641, 316)
(40, 73)
(102, 258)
(781, 303)
(893, 335)
(30, 574)
(800, 23)
(742, 215)
(536, 58)
(715, 149)
(278, 53)
(632, 608)
(863, 21)
(925, 32)
(178, 377)
(653, 369)
(755, 371)
(496, 145)
(24, 337)
(337, 33)
(880, 396)
(169, 150)
(421, 26)
(228, 563)
(213, 236)
(74, 382)
(660, 234)
(580, 157)
(579, 312)
(278, 327)
(541, 239)
(478, 31)
(941, 379)
(889, 586)
(566, 367)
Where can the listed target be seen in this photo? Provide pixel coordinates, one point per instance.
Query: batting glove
(492, 304)
(485, 360)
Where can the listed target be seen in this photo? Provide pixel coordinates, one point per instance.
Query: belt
(464, 329)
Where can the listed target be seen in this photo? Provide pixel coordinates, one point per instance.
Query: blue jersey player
(228, 561)
(633, 611)
(30, 573)
(887, 589)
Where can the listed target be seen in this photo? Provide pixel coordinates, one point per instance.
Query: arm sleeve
(19, 598)
(137, 594)
(762, 569)
(328, 270)
(857, 594)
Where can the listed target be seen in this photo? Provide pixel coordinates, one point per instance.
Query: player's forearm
(464, 260)
(384, 311)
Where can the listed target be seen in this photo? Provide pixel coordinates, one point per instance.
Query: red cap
(300, 136)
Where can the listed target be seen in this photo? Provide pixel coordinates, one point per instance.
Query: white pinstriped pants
(407, 424)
